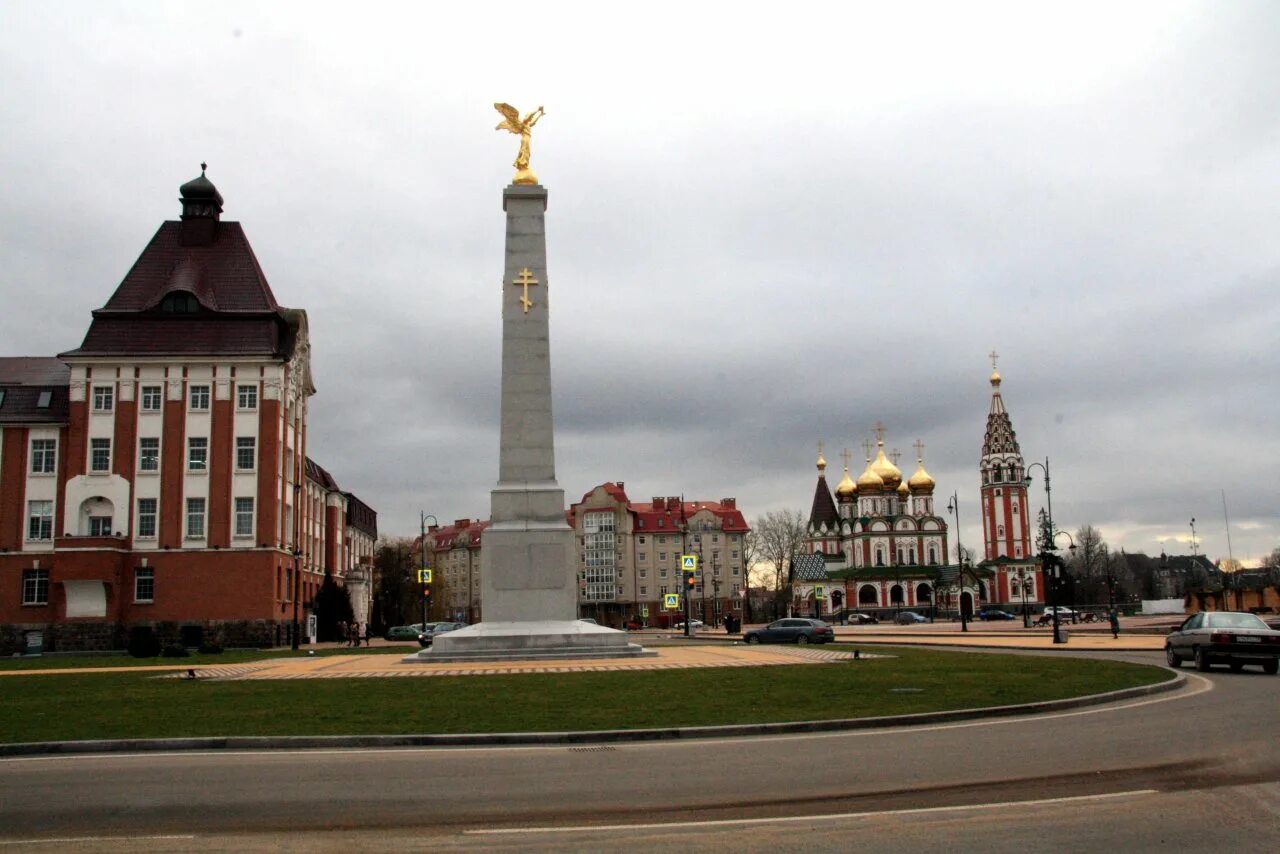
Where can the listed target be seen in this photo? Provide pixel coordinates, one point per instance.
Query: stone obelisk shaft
(527, 568)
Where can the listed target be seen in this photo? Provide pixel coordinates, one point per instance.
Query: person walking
(1115, 623)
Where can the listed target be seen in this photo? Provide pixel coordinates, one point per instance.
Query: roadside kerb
(308, 742)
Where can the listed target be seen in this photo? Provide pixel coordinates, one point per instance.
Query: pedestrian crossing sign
(819, 592)
(424, 576)
(671, 601)
(689, 563)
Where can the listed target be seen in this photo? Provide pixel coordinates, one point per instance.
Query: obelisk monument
(528, 575)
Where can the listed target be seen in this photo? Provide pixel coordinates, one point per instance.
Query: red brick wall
(13, 474)
(221, 458)
(173, 460)
(268, 468)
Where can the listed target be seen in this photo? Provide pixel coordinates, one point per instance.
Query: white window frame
(46, 519)
(202, 403)
(196, 510)
(150, 393)
(246, 397)
(203, 461)
(153, 516)
(95, 444)
(244, 531)
(104, 398)
(144, 574)
(35, 582)
(252, 446)
(143, 469)
(95, 522)
(47, 456)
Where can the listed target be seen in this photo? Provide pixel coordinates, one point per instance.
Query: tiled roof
(445, 536)
(158, 335)
(808, 567)
(670, 518)
(26, 382)
(224, 275)
(361, 516)
(317, 473)
(824, 507)
(1000, 437)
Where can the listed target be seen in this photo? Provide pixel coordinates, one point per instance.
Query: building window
(933, 556)
(149, 454)
(45, 398)
(999, 530)
(644, 591)
(246, 447)
(100, 455)
(641, 539)
(599, 555)
(247, 397)
(103, 398)
(99, 526)
(144, 584)
(195, 518)
(146, 518)
(39, 520)
(199, 397)
(35, 587)
(151, 398)
(44, 454)
(244, 517)
(197, 453)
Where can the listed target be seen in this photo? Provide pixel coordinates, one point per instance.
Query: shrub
(143, 642)
(174, 650)
(210, 649)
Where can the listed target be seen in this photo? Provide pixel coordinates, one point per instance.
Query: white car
(693, 624)
(1064, 613)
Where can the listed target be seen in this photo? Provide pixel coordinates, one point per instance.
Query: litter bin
(1063, 634)
(34, 642)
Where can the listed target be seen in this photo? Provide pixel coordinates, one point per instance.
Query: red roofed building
(455, 558)
(629, 556)
(156, 476)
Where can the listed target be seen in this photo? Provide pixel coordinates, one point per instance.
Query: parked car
(857, 618)
(1064, 613)
(693, 624)
(909, 618)
(428, 634)
(404, 633)
(634, 625)
(792, 630)
(588, 620)
(995, 614)
(1228, 637)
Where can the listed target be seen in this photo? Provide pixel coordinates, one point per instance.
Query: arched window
(913, 555)
(895, 595)
(924, 593)
(867, 595)
(933, 556)
(999, 530)
(879, 557)
(901, 558)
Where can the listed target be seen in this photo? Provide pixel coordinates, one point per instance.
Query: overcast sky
(768, 225)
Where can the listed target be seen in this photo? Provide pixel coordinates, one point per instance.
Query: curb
(309, 742)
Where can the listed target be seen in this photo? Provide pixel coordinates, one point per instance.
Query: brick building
(157, 474)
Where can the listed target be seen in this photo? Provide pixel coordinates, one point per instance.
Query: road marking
(730, 822)
(73, 840)
(1204, 686)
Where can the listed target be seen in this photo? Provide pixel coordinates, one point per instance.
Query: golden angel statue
(511, 121)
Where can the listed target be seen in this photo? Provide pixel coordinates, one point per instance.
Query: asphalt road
(1199, 764)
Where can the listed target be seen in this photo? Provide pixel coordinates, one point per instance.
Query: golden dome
(921, 481)
(995, 379)
(869, 479)
(903, 490)
(886, 470)
(822, 462)
(847, 488)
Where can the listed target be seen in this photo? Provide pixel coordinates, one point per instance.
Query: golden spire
(995, 375)
(822, 463)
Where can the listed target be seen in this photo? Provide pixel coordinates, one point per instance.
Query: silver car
(1227, 637)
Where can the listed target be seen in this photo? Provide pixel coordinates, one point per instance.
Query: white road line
(75, 840)
(732, 822)
(1204, 685)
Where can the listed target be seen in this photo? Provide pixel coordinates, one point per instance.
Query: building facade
(455, 559)
(157, 474)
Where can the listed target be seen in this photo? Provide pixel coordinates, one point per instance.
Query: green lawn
(139, 705)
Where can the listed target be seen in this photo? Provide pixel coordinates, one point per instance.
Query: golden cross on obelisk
(994, 356)
(919, 451)
(525, 279)
(879, 430)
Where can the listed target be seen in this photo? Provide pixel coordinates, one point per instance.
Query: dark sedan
(792, 630)
(1225, 637)
(995, 614)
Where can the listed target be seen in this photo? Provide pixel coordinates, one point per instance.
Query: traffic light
(690, 580)
(426, 591)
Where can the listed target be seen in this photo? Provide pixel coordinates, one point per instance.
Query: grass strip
(136, 705)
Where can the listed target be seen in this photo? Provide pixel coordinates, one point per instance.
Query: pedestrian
(1115, 624)
(342, 631)
(366, 634)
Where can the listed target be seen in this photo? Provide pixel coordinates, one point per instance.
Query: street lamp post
(297, 592)
(1026, 618)
(422, 560)
(954, 507)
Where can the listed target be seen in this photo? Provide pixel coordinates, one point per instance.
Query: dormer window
(179, 302)
(43, 401)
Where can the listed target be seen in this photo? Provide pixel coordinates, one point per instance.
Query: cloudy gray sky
(768, 225)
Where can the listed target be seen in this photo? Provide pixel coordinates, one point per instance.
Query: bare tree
(750, 554)
(781, 536)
